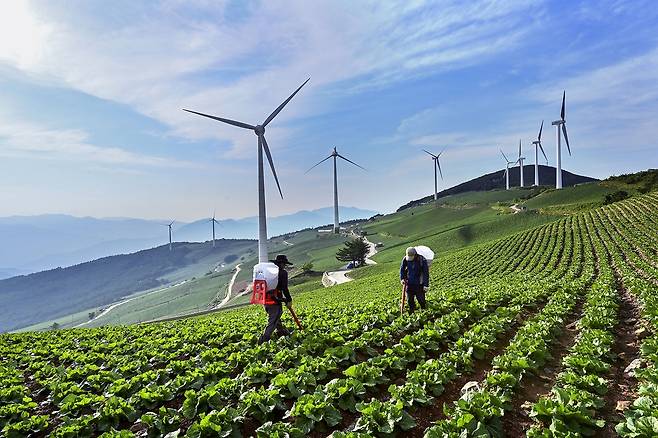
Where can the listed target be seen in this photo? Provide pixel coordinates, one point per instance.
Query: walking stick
(294, 317)
(404, 296)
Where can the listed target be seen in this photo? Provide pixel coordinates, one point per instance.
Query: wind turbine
(560, 124)
(259, 130)
(335, 155)
(520, 161)
(214, 221)
(437, 165)
(507, 163)
(537, 144)
(169, 225)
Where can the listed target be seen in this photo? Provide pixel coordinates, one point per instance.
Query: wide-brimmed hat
(281, 259)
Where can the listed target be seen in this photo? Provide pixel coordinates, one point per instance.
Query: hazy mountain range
(36, 243)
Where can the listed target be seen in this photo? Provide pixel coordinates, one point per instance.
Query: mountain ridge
(496, 180)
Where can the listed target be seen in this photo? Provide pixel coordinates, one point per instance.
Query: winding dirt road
(338, 277)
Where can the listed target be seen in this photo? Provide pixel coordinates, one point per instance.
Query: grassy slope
(459, 221)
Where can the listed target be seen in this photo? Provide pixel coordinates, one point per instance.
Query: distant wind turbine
(537, 144)
(507, 163)
(335, 155)
(259, 130)
(169, 225)
(520, 161)
(560, 124)
(214, 221)
(436, 166)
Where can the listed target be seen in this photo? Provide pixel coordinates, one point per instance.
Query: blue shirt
(416, 272)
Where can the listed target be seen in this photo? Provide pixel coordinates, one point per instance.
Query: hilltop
(496, 180)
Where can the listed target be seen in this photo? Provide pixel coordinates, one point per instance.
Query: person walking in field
(415, 275)
(274, 300)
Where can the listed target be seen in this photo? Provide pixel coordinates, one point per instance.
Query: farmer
(414, 272)
(273, 300)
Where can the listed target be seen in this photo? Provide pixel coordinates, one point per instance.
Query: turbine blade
(229, 121)
(431, 154)
(540, 129)
(542, 151)
(339, 155)
(269, 158)
(505, 173)
(439, 166)
(562, 112)
(285, 102)
(444, 149)
(504, 156)
(330, 156)
(566, 138)
(519, 148)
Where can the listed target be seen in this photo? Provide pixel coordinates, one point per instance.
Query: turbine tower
(507, 163)
(520, 161)
(169, 225)
(537, 144)
(335, 155)
(213, 221)
(437, 165)
(560, 124)
(259, 130)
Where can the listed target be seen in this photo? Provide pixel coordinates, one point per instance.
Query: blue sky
(91, 95)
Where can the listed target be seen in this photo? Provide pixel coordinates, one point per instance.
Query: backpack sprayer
(266, 278)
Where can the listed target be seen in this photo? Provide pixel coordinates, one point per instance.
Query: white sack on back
(268, 272)
(425, 252)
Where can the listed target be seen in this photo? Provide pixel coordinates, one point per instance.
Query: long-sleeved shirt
(416, 272)
(282, 287)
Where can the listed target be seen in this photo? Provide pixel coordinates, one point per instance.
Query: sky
(91, 98)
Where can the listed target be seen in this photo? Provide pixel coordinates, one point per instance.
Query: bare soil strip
(622, 387)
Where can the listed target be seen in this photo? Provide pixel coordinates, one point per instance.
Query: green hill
(50, 294)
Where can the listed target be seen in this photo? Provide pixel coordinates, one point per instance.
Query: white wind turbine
(507, 163)
(169, 226)
(335, 155)
(560, 124)
(537, 144)
(520, 161)
(436, 166)
(213, 221)
(259, 130)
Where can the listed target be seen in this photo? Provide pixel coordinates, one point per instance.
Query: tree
(354, 250)
(307, 267)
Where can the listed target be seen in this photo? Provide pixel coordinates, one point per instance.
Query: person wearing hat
(414, 271)
(274, 299)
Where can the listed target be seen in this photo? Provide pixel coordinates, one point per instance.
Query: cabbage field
(549, 332)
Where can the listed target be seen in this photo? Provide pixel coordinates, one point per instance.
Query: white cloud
(160, 59)
(29, 140)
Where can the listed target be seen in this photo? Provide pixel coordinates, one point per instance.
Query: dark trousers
(274, 313)
(415, 291)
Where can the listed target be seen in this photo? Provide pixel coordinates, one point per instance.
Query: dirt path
(333, 278)
(122, 302)
(229, 290)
